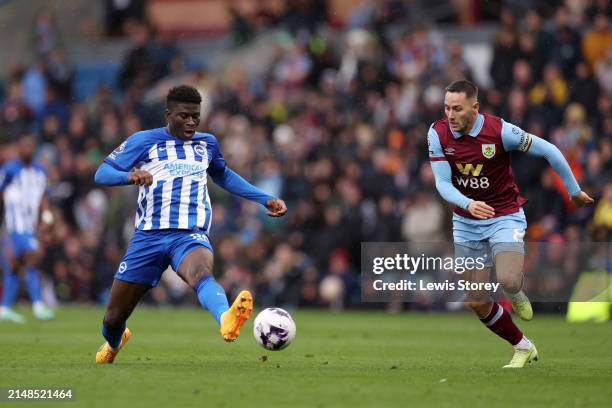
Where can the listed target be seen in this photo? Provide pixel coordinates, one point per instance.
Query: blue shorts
(19, 243)
(150, 253)
(487, 238)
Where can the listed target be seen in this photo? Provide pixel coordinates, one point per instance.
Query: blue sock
(33, 284)
(113, 334)
(212, 297)
(11, 288)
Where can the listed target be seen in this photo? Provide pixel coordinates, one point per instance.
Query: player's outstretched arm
(235, 184)
(543, 148)
(110, 176)
(515, 138)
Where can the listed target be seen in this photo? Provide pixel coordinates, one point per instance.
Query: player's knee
(510, 284)
(195, 267)
(196, 273)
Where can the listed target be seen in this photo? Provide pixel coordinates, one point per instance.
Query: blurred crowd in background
(337, 130)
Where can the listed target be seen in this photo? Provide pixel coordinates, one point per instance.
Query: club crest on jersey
(199, 149)
(488, 150)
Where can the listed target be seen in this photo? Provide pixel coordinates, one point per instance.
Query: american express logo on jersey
(177, 169)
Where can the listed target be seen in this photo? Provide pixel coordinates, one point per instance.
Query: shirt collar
(475, 129)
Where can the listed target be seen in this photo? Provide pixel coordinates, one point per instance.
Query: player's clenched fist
(481, 210)
(276, 207)
(581, 199)
(140, 178)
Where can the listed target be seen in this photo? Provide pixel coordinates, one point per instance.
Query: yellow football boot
(106, 355)
(234, 318)
(522, 357)
(521, 306)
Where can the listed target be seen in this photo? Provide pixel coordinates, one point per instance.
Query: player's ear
(476, 105)
(167, 114)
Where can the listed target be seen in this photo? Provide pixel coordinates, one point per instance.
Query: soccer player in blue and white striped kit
(23, 184)
(173, 217)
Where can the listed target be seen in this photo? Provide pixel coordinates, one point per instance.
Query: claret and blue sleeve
(515, 138)
(443, 173)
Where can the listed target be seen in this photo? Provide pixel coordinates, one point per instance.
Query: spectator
(60, 74)
(505, 54)
(16, 114)
(565, 52)
(595, 42)
(34, 84)
(120, 12)
(603, 71)
(44, 32)
(584, 89)
(603, 213)
(137, 66)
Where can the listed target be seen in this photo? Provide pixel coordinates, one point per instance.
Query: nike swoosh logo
(161, 149)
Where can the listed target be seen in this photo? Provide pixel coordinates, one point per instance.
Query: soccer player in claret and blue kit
(469, 153)
(171, 165)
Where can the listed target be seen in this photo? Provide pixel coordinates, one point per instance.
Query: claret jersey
(480, 161)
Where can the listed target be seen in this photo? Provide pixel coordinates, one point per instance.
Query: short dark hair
(182, 94)
(465, 86)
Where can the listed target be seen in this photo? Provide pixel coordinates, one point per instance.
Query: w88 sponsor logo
(472, 178)
(473, 182)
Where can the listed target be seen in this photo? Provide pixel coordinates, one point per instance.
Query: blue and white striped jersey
(178, 197)
(23, 188)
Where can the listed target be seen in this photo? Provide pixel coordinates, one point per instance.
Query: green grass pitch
(367, 359)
